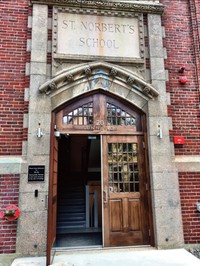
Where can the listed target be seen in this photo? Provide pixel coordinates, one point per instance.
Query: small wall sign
(36, 173)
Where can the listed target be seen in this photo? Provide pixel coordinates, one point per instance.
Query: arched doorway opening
(100, 179)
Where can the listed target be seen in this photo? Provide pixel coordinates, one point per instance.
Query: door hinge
(149, 232)
(147, 187)
(143, 145)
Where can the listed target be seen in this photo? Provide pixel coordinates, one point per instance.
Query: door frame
(57, 118)
(52, 197)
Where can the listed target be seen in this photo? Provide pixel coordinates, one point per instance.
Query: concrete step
(115, 257)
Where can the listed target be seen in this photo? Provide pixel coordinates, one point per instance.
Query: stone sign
(94, 35)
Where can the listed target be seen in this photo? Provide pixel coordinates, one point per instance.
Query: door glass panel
(117, 116)
(83, 115)
(123, 167)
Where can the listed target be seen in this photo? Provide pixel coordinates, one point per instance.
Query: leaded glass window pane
(123, 167)
(82, 115)
(117, 116)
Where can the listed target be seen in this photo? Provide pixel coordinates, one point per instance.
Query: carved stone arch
(84, 78)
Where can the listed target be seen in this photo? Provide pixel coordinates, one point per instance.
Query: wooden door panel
(116, 215)
(125, 215)
(124, 179)
(126, 239)
(134, 215)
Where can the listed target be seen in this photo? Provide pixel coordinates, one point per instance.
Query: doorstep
(116, 257)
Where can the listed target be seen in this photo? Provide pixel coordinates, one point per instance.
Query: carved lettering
(104, 27)
(98, 43)
(97, 35)
(70, 24)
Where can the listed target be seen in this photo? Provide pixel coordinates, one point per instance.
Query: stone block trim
(189, 183)
(9, 193)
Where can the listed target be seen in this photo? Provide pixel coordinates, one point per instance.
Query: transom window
(99, 113)
(123, 167)
(82, 115)
(117, 116)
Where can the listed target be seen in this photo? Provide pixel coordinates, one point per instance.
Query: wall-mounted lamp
(39, 131)
(57, 134)
(159, 134)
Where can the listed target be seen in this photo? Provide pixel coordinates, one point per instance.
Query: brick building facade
(37, 81)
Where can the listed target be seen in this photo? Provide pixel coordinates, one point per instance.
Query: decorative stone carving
(88, 71)
(57, 63)
(64, 26)
(51, 86)
(100, 82)
(99, 78)
(130, 80)
(149, 7)
(69, 78)
(113, 72)
(146, 90)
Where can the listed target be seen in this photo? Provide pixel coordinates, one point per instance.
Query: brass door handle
(105, 196)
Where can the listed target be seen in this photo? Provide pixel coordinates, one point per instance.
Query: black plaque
(36, 172)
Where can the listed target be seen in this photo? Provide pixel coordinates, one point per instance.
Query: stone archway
(111, 80)
(76, 81)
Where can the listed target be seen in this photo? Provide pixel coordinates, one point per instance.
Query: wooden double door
(125, 186)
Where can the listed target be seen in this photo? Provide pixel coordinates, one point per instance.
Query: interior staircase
(71, 213)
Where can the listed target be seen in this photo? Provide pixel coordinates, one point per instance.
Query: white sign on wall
(92, 35)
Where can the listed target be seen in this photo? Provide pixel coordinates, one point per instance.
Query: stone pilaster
(32, 225)
(164, 177)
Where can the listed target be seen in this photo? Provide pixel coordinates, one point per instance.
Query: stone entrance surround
(48, 90)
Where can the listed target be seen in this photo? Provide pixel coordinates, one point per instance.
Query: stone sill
(10, 164)
(187, 163)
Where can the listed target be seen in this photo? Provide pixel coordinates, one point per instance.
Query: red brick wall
(180, 31)
(13, 31)
(190, 195)
(9, 191)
